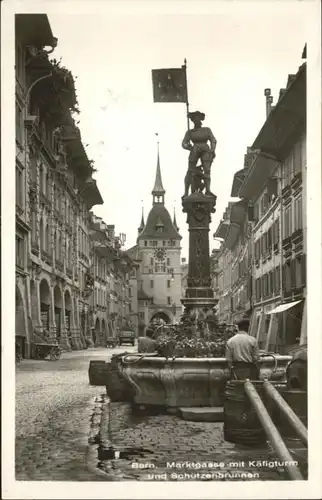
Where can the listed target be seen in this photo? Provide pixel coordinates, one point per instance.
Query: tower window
(168, 262)
(168, 284)
(151, 261)
(151, 283)
(169, 300)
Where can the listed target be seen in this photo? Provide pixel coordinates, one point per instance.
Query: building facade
(272, 189)
(59, 278)
(158, 252)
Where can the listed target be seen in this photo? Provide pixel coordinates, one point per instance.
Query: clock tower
(159, 252)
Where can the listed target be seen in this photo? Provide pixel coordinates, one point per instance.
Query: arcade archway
(44, 304)
(21, 325)
(68, 312)
(160, 318)
(58, 310)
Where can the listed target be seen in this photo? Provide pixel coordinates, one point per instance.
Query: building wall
(161, 279)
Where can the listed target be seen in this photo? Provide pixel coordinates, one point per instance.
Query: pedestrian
(242, 353)
(147, 344)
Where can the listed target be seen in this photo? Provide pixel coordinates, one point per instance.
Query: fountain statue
(199, 301)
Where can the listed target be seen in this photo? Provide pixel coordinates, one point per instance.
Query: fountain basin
(188, 382)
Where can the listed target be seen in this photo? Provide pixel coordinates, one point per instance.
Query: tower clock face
(160, 254)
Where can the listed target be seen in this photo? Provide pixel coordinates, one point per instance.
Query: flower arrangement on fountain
(179, 341)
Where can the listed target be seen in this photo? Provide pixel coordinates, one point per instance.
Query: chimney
(269, 101)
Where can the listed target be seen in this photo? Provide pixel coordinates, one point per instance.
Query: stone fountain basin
(188, 382)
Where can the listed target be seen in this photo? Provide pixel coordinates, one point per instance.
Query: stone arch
(58, 304)
(160, 316)
(21, 325)
(45, 301)
(33, 301)
(68, 311)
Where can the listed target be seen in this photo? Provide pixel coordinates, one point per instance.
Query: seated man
(147, 344)
(242, 353)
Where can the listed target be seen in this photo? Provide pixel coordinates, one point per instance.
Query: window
(169, 284)
(287, 222)
(151, 261)
(19, 186)
(163, 243)
(169, 300)
(41, 177)
(168, 262)
(287, 277)
(145, 243)
(130, 292)
(141, 315)
(42, 235)
(151, 283)
(19, 124)
(271, 283)
(20, 252)
(298, 213)
(47, 237)
(33, 166)
(276, 232)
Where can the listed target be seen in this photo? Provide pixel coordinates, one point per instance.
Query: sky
(233, 54)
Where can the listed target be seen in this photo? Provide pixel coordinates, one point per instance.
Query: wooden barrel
(241, 424)
(97, 372)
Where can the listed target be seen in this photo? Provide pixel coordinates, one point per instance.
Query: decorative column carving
(199, 300)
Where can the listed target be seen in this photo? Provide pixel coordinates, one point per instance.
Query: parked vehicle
(126, 336)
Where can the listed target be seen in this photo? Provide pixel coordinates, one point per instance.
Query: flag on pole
(169, 85)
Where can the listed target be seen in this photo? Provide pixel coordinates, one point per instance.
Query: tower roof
(142, 224)
(175, 225)
(159, 217)
(158, 187)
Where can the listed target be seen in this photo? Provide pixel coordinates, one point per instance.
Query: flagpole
(187, 101)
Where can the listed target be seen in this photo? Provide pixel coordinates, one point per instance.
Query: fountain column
(199, 299)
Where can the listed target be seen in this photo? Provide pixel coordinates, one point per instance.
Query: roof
(278, 134)
(283, 120)
(159, 213)
(34, 29)
(142, 295)
(158, 186)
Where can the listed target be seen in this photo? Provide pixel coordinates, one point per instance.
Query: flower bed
(179, 342)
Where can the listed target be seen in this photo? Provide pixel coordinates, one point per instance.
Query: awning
(283, 307)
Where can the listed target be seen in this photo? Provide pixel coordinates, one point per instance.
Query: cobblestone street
(146, 444)
(54, 404)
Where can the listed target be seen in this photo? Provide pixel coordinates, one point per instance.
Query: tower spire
(175, 220)
(158, 190)
(142, 224)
